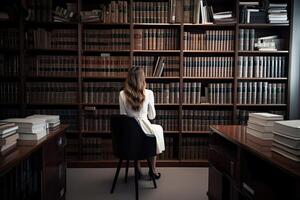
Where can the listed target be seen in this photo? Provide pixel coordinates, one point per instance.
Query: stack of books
(277, 13)
(52, 121)
(8, 136)
(252, 12)
(63, 15)
(223, 17)
(287, 139)
(29, 129)
(269, 43)
(260, 125)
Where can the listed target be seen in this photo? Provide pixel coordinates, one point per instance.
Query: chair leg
(116, 176)
(136, 180)
(126, 171)
(151, 172)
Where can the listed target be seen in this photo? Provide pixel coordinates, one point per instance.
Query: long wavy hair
(135, 85)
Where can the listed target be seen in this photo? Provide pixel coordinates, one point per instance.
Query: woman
(138, 102)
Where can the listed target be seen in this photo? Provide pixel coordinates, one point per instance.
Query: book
(259, 134)
(7, 128)
(288, 127)
(288, 141)
(9, 140)
(286, 154)
(32, 136)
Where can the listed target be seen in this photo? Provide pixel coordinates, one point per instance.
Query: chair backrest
(128, 139)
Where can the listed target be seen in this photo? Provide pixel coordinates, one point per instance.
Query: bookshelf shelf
(208, 78)
(156, 51)
(104, 51)
(47, 77)
(263, 26)
(207, 52)
(50, 51)
(262, 79)
(195, 132)
(98, 24)
(9, 50)
(263, 52)
(51, 24)
(261, 105)
(162, 78)
(51, 104)
(207, 105)
(210, 25)
(103, 77)
(155, 25)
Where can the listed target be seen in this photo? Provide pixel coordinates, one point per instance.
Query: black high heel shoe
(156, 176)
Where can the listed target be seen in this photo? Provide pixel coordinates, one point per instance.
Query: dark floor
(175, 183)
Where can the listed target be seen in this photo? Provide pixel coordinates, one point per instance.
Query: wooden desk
(37, 171)
(244, 167)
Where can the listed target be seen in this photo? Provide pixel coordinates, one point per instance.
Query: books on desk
(29, 129)
(52, 121)
(8, 136)
(261, 125)
(287, 139)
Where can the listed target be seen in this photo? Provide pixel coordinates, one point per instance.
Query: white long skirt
(157, 131)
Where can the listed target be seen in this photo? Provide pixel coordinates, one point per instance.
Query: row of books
(9, 65)
(220, 93)
(170, 149)
(168, 65)
(261, 93)
(243, 115)
(98, 119)
(57, 38)
(165, 93)
(94, 148)
(9, 92)
(211, 40)
(9, 38)
(261, 66)
(106, 39)
(168, 119)
(277, 13)
(194, 148)
(200, 120)
(49, 92)
(114, 12)
(102, 92)
(72, 149)
(8, 136)
(155, 12)
(23, 181)
(105, 65)
(192, 93)
(67, 116)
(208, 66)
(39, 11)
(156, 39)
(246, 39)
(49, 65)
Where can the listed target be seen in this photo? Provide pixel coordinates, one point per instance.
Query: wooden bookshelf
(80, 109)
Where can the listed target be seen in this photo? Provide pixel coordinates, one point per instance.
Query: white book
(286, 154)
(286, 148)
(24, 121)
(261, 135)
(48, 118)
(38, 136)
(8, 129)
(266, 116)
(287, 140)
(260, 127)
(288, 127)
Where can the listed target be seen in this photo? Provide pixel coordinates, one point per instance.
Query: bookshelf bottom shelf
(160, 163)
